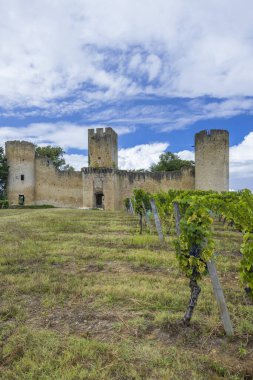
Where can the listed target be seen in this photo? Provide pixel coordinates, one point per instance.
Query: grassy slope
(84, 297)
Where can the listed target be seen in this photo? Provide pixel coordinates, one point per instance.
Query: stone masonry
(35, 181)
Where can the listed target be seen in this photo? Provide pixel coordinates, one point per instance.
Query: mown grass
(83, 296)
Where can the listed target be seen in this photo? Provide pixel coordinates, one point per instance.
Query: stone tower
(212, 160)
(103, 148)
(21, 179)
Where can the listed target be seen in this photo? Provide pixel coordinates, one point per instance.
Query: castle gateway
(35, 181)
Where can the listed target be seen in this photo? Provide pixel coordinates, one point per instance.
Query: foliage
(141, 201)
(127, 203)
(55, 154)
(195, 245)
(68, 168)
(170, 161)
(3, 173)
(4, 203)
(247, 261)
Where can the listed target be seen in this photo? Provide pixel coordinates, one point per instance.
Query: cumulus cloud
(92, 51)
(241, 158)
(141, 156)
(186, 155)
(78, 161)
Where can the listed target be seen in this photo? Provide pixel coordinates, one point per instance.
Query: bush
(4, 203)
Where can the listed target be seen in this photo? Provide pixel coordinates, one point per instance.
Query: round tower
(21, 179)
(212, 160)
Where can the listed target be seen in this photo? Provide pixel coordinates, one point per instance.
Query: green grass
(83, 296)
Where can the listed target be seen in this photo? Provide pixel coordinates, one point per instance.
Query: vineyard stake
(146, 216)
(217, 289)
(220, 298)
(177, 217)
(157, 220)
(131, 206)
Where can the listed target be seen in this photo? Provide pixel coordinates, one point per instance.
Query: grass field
(83, 296)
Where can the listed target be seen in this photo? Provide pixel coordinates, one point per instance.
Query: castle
(35, 181)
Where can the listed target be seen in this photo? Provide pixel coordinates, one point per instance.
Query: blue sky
(156, 72)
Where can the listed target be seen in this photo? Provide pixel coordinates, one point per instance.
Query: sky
(155, 71)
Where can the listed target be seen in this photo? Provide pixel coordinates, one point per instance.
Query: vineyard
(100, 295)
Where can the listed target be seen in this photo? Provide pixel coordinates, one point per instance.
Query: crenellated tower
(103, 148)
(212, 160)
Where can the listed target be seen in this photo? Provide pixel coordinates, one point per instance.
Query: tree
(55, 154)
(3, 173)
(170, 161)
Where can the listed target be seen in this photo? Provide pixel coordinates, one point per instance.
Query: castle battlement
(100, 132)
(20, 143)
(35, 180)
(212, 134)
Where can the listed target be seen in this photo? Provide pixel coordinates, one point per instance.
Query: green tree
(170, 161)
(55, 154)
(3, 174)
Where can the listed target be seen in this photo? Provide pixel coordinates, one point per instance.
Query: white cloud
(150, 65)
(243, 152)
(78, 161)
(141, 156)
(187, 155)
(241, 159)
(86, 49)
(63, 134)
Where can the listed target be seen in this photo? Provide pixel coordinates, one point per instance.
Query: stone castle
(35, 181)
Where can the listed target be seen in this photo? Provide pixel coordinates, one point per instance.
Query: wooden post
(157, 220)
(146, 216)
(220, 299)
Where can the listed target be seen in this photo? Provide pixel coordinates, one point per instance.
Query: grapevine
(195, 245)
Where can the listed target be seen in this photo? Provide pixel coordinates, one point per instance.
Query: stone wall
(40, 183)
(212, 160)
(57, 188)
(38, 180)
(116, 185)
(152, 182)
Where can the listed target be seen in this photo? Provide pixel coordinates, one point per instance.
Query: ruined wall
(61, 189)
(212, 160)
(103, 148)
(21, 178)
(116, 185)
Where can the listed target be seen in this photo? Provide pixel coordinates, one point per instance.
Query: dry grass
(83, 296)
